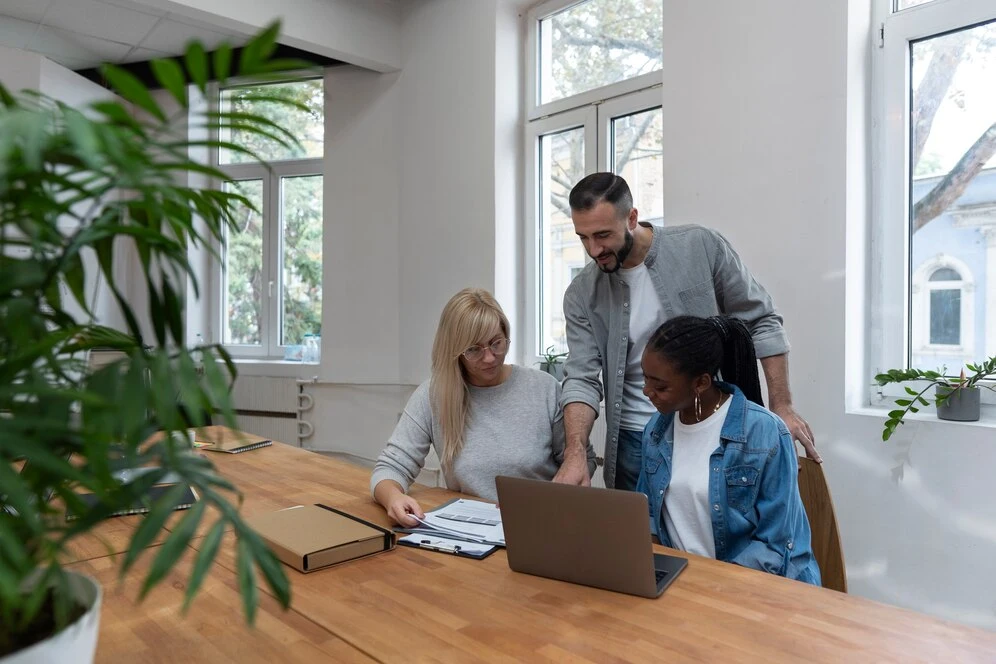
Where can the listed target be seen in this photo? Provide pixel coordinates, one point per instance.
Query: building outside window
(943, 329)
(934, 239)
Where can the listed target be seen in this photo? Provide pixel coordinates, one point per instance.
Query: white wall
(360, 309)
(447, 160)
(509, 85)
(21, 70)
(411, 209)
(360, 394)
(766, 140)
(68, 86)
(74, 90)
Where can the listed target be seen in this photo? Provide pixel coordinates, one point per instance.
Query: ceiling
(80, 34)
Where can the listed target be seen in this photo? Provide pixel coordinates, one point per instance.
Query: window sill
(277, 368)
(987, 418)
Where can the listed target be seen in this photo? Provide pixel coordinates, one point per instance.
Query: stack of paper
(464, 520)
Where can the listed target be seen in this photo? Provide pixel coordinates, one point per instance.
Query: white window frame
(597, 122)
(618, 107)
(594, 110)
(585, 117)
(922, 288)
(534, 108)
(889, 344)
(272, 176)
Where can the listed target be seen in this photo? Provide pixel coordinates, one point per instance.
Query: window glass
(597, 43)
(243, 274)
(307, 125)
(952, 185)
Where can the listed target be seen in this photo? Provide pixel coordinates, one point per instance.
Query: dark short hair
(598, 187)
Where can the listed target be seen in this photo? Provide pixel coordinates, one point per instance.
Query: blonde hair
(472, 315)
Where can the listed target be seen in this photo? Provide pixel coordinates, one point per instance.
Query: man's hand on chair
(799, 429)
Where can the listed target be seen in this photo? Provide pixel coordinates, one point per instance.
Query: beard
(620, 255)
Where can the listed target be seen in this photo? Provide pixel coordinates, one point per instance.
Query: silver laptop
(594, 537)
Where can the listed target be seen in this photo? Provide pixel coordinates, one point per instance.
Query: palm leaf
(113, 179)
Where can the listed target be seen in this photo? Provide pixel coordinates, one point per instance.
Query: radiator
(266, 395)
(281, 429)
(270, 407)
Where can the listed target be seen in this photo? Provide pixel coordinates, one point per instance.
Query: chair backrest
(823, 524)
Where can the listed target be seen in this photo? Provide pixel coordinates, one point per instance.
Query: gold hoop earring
(698, 408)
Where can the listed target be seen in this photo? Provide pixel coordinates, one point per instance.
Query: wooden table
(413, 605)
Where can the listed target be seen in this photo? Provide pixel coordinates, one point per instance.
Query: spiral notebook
(144, 504)
(220, 439)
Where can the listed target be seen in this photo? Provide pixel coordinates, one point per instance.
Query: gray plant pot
(961, 406)
(555, 370)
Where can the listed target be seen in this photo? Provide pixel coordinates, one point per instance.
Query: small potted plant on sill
(97, 182)
(553, 362)
(956, 399)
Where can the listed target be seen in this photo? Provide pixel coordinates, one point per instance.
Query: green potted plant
(79, 183)
(956, 399)
(552, 362)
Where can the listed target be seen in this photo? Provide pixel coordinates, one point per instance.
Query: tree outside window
(952, 147)
(272, 285)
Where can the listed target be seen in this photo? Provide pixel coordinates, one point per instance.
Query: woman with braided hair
(719, 469)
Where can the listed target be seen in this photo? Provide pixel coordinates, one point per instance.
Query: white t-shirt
(687, 514)
(645, 316)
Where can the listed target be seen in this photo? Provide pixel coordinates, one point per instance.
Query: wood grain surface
(414, 605)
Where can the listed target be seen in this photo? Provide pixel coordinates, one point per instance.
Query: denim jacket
(695, 271)
(758, 519)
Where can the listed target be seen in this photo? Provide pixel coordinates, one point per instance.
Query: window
(945, 316)
(935, 186)
(588, 45)
(562, 162)
(271, 276)
(943, 325)
(907, 4)
(595, 105)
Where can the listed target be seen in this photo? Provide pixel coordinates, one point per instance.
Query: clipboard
(426, 542)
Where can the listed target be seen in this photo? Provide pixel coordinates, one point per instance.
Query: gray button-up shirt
(695, 272)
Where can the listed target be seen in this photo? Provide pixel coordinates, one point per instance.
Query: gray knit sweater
(516, 428)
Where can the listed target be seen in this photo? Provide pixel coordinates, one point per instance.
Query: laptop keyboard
(661, 575)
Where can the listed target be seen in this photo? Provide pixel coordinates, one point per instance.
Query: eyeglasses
(498, 347)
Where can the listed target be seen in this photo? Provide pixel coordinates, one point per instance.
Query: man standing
(642, 276)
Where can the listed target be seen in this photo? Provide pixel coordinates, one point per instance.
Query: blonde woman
(483, 417)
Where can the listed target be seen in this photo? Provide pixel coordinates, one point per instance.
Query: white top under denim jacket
(687, 516)
(758, 519)
(696, 272)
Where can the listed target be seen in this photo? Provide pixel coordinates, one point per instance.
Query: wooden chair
(823, 524)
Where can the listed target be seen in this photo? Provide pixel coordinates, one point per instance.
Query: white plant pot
(77, 642)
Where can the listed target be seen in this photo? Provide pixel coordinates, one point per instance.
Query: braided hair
(718, 344)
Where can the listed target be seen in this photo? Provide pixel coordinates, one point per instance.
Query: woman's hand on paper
(401, 509)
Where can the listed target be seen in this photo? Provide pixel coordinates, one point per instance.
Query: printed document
(472, 520)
